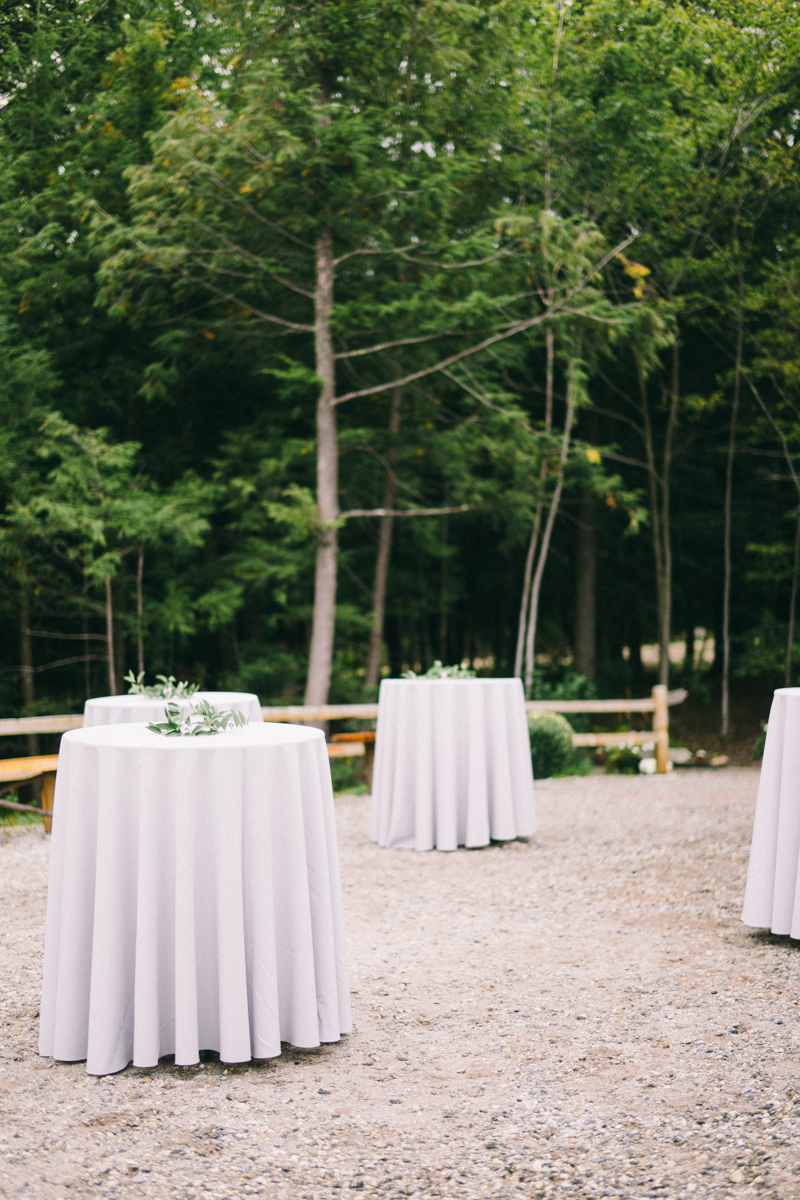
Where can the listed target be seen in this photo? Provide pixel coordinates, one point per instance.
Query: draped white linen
(118, 710)
(452, 764)
(194, 900)
(772, 894)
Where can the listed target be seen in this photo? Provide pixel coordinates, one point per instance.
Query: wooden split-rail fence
(16, 771)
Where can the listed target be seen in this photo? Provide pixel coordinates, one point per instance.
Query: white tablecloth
(452, 764)
(772, 895)
(194, 899)
(119, 710)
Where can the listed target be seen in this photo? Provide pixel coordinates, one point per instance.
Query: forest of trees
(339, 336)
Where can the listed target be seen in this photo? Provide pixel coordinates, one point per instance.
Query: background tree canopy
(338, 338)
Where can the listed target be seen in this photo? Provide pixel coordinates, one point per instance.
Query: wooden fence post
(661, 728)
(48, 794)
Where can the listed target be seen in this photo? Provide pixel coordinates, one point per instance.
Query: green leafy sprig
(437, 671)
(167, 689)
(201, 718)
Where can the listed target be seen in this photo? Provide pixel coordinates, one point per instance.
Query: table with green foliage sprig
(167, 689)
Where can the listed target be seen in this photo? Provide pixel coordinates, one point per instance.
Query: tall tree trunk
(537, 520)
(548, 379)
(394, 644)
(112, 675)
(653, 483)
(793, 604)
(526, 590)
(530, 644)
(726, 589)
(87, 679)
(321, 651)
(796, 564)
(119, 637)
(425, 657)
(139, 612)
(384, 548)
(586, 580)
(659, 512)
(443, 595)
(665, 600)
(26, 661)
(548, 177)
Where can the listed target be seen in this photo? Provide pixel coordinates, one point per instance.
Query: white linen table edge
(452, 764)
(772, 891)
(288, 820)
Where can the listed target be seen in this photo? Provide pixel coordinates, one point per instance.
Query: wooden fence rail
(658, 703)
(11, 726)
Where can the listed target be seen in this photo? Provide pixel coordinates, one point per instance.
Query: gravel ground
(581, 1014)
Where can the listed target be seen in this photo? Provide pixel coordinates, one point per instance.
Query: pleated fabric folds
(452, 764)
(772, 894)
(194, 900)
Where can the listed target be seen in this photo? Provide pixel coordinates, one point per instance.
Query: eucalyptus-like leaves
(437, 671)
(200, 719)
(166, 689)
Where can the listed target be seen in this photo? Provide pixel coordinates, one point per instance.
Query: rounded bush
(622, 760)
(551, 743)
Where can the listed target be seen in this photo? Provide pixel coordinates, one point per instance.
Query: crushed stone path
(580, 1015)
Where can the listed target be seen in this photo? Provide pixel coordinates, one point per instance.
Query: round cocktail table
(772, 894)
(452, 764)
(117, 710)
(194, 899)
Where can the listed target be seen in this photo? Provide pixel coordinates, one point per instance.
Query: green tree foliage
(91, 510)
(339, 193)
(362, 308)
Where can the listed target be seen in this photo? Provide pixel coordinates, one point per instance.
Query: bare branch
(368, 250)
(236, 196)
(616, 416)
(482, 399)
(428, 337)
(69, 637)
(61, 662)
(786, 452)
(520, 327)
(216, 291)
(235, 249)
(610, 383)
(256, 312)
(632, 462)
(477, 262)
(404, 512)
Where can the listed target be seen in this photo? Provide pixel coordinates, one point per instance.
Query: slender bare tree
(384, 546)
(726, 587)
(536, 586)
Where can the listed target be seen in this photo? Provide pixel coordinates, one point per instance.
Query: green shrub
(622, 760)
(760, 742)
(570, 686)
(10, 818)
(580, 763)
(551, 744)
